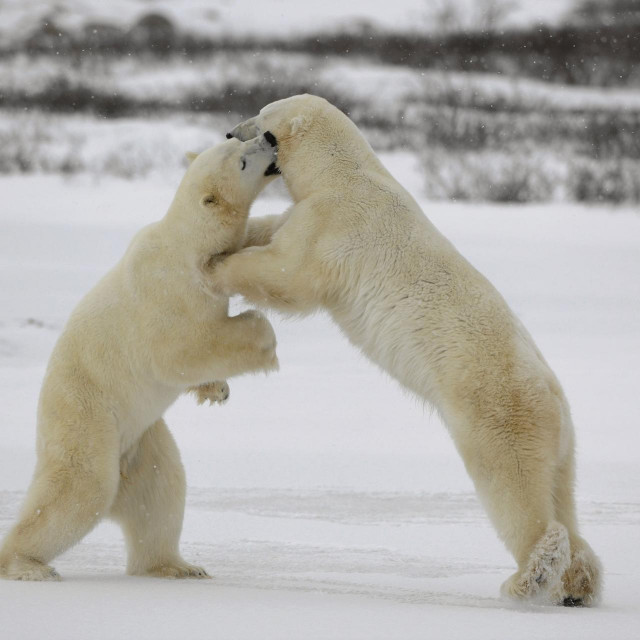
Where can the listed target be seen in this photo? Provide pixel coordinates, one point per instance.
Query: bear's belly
(146, 407)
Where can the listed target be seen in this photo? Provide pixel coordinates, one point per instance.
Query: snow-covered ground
(325, 501)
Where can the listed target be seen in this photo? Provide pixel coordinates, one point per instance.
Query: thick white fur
(147, 332)
(357, 243)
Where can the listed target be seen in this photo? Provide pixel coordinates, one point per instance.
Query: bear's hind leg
(582, 581)
(150, 506)
(514, 477)
(67, 498)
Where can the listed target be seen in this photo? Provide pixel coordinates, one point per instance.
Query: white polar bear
(147, 332)
(357, 243)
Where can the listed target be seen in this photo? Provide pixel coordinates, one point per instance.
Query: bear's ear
(299, 124)
(191, 156)
(209, 200)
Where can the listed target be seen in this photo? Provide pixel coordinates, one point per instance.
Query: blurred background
(495, 100)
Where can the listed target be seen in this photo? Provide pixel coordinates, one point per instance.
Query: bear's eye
(209, 200)
(244, 164)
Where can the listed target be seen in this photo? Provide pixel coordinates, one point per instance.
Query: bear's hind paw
(29, 569)
(177, 570)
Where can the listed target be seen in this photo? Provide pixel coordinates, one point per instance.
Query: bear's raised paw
(212, 392)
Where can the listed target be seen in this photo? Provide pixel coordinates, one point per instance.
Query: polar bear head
(213, 200)
(231, 174)
(284, 120)
(312, 135)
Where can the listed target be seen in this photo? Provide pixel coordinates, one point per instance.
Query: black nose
(270, 138)
(229, 136)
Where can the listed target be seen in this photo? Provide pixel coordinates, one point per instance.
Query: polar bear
(356, 243)
(147, 332)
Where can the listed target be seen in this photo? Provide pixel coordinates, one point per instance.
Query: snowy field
(325, 501)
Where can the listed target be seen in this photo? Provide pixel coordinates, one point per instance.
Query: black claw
(569, 601)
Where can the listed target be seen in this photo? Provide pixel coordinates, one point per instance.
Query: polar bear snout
(260, 155)
(269, 142)
(245, 130)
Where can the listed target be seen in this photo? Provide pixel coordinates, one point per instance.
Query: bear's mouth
(270, 138)
(272, 170)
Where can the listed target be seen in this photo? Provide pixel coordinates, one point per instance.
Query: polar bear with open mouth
(147, 332)
(356, 243)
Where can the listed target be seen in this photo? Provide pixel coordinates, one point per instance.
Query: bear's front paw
(268, 358)
(217, 391)
(262, 330)
(260, 351)
(215, 280)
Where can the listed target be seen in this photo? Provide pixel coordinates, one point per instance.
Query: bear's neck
(326, 161)
(192, 235)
